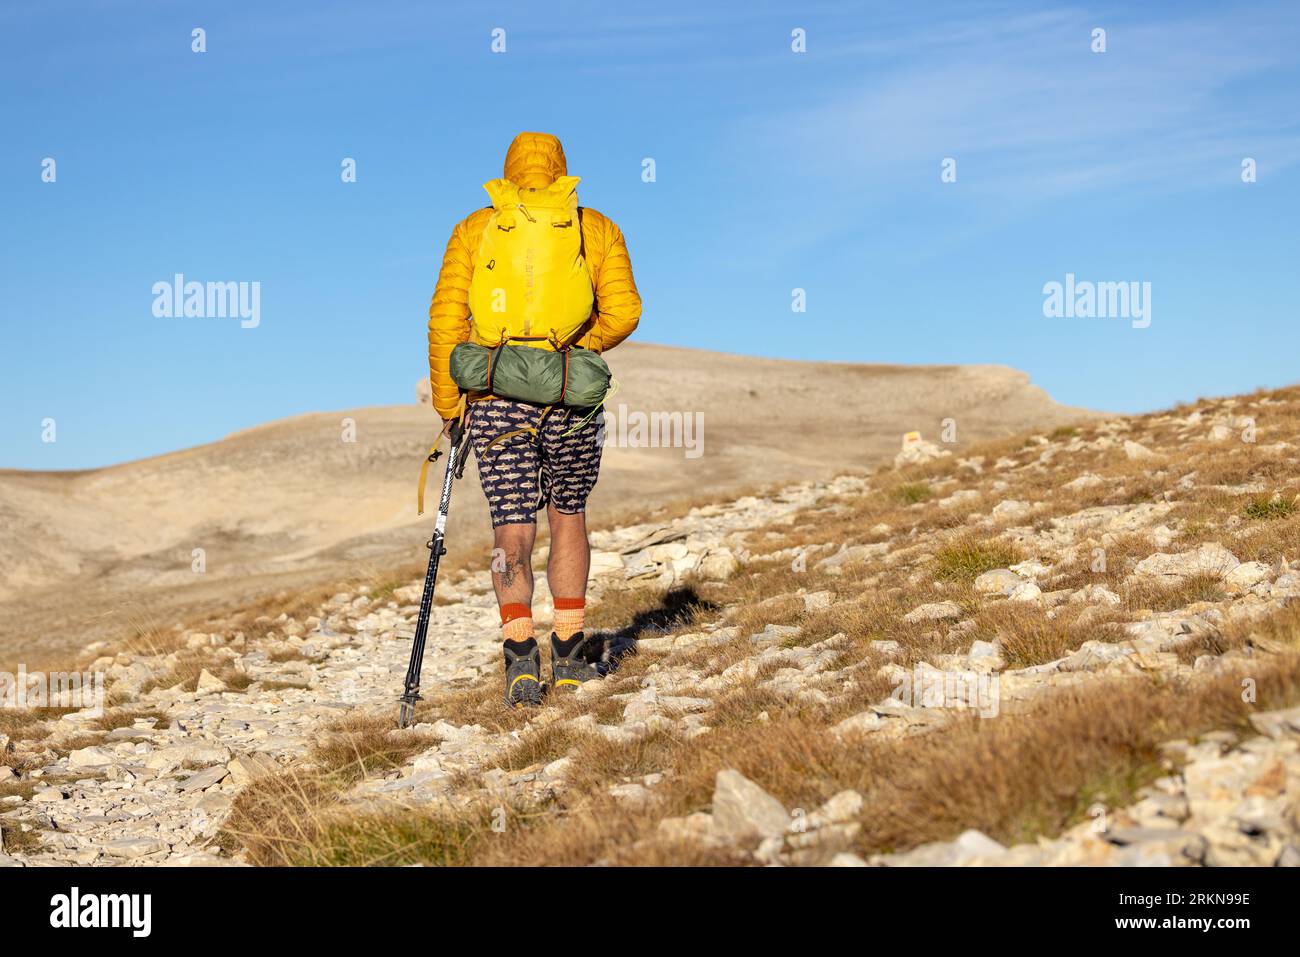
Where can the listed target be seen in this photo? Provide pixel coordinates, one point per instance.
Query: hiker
(528, 454)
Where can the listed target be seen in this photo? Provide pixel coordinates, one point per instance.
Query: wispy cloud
(1174, 104)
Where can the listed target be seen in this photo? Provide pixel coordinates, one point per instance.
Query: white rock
(1086, 480)
(635, 794)
(246, 768)
(1011, 508)
(667, 552)
(969, 847)
(1027, 591)
(695, 828)
(718, 565)
(816, 601)
(209, 777)
(1135, 450)
(209, 683)
(1030, 568)
(1162, 536)
(743, 811)
(605, 563)
(843, 806)
(90, 758)
(774, 635)
(1210, 559)
(845, 859)
(1097, 595)
(934, 611)
(962, 496)
(863, 723)
(852, 553)
(134, 847)
(1000, 581)
(1246, 575)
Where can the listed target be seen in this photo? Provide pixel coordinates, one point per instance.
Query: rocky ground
(1069, 648)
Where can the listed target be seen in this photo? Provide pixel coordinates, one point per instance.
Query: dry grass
(188, 665)
(13, 839)
(1264, 508)
(365, 745)
(1010, 776)
(913, 492)
(127, 717)
(1027, 636)
(967, 556)
(1158, 596)
(21, 723)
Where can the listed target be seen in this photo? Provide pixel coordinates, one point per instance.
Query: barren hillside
(292, 503)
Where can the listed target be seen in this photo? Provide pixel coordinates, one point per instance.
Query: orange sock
(569, 614)
(516, 622)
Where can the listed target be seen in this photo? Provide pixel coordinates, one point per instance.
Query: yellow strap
(568, 681)
(424, 475)
(434, 453)
(528, 430)
(508, 435)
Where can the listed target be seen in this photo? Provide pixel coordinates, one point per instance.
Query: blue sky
(775, 170)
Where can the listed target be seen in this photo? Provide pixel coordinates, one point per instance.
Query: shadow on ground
(679, 607)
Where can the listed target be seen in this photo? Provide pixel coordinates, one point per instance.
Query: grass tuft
(1262, 508)
(966, 558)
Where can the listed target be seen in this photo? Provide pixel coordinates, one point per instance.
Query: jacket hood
(535, 160)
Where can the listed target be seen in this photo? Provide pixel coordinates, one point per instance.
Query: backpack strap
(534, 430)
(435, 453)
(492, 362)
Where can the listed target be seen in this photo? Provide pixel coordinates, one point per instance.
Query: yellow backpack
(531, 283)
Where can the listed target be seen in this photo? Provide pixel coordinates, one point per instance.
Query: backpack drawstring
(609, 393)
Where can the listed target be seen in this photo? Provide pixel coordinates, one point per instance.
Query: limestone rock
(1246, 575)
(84, 758)
(934, 611)
(971, 847)
(718, 565)
(998, 581)
(131, 848)
(1209, 559)
(209, 683)
(743, 811)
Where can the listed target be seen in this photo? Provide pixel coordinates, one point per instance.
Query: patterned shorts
(521, 474)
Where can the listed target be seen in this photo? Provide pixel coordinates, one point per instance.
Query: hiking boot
(569, 664)
(523, 677)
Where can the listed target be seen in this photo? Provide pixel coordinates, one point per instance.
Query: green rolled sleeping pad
(527, 374)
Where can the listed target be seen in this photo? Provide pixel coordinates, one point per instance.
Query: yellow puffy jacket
(533, 160)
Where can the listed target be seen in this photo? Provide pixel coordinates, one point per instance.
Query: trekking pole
(411, 690)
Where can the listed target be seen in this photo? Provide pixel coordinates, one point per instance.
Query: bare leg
(570, 558)
(512, 563)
